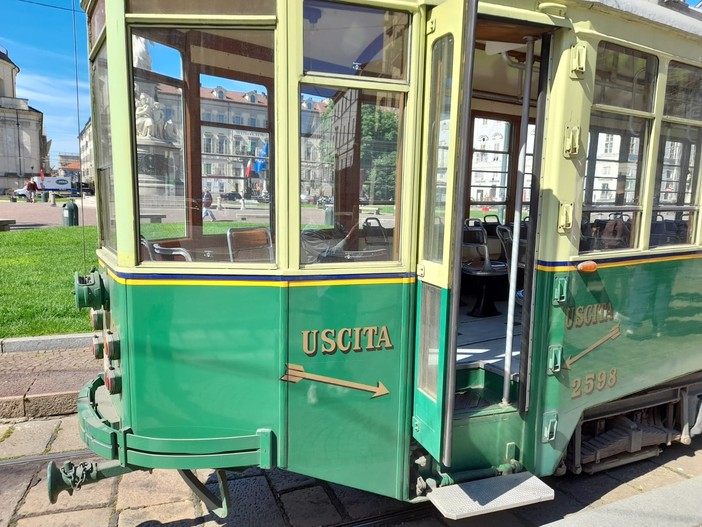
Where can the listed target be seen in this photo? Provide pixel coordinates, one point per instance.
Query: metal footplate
(489, 495)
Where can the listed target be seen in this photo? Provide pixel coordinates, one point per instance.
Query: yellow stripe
(255, 283)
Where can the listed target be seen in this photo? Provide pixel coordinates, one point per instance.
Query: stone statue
(140, 53)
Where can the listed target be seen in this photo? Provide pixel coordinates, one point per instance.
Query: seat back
(172, 254)
(146, 252)
(374, 232)
(250, 244)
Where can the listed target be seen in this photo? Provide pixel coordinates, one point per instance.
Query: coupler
(72, 477)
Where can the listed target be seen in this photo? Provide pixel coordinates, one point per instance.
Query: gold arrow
(613, 334)
(296, 373)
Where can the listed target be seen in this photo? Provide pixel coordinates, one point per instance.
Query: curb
(41, 405)
(46, 343)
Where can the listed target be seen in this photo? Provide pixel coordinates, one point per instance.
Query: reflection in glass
(624, 77)
(430, 336)
(215, 203)
(349, 175)
(354, 40)
(683, 92)
(675, 204)
(438, 148)
(103, 157)
(612, 185)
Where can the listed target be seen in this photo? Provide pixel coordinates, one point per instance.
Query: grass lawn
(36, 289)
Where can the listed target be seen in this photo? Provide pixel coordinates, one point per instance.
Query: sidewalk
(41, 376)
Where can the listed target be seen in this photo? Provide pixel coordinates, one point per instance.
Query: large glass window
(611, 206)
(675, 202)
(350, 174)
(355, 40)
(103, 157)
(204, 185)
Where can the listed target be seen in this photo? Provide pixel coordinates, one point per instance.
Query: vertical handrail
(519, 190)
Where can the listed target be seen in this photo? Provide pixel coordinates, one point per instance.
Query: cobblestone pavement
(279, 498)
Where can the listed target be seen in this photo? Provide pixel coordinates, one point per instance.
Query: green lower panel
(345, 341)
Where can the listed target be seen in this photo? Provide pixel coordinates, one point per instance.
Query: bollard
(52, 199)
(219, 203)
(243, 204)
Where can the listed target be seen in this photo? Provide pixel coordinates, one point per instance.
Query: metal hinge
(565, 217)
(578, 60)
(560, 288)
(421, 271)
(571, 140)
(550, 422)
(555, 358)
(431, 26)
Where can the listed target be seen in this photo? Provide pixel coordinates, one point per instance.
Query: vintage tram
(432, 249)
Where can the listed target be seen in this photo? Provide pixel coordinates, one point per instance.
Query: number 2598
(593, 381)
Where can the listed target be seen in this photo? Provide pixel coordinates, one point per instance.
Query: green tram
(431, 249)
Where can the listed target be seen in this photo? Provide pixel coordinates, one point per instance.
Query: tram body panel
(215, 374)
(604, 357)
(347, 420)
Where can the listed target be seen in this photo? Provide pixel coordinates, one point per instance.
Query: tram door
(432, 385)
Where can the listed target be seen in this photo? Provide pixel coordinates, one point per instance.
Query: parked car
(231, 196)
(264, 198)
(20, 193)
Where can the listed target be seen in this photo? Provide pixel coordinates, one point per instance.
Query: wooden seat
(250, 244)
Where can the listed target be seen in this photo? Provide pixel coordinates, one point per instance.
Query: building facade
(24, 150)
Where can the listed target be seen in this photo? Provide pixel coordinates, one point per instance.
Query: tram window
(675, 202)
(683, 92)
(617, 143)
(612, 185)
(355, 40)
(204, 185)
(624, 77)
(350, 174)
(493, 169)
(101, 124)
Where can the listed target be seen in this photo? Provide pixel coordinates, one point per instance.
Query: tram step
(489, 495)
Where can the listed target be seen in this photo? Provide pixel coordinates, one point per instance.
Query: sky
(39, 37)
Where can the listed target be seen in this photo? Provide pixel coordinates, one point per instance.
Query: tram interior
(488, 237)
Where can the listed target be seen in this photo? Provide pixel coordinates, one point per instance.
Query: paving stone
(178, 514)
(11, 407)
(361, 504)
(587, 489)
(13, 484)
(16, 384)
(496, 519)
(51, 404)
(310, 507)
(89, 496)
(68, 437)
(282, 480)
(252, 503)
(142, 489)
(549, 511)
(82, 518)
(28, 439)
(645, 475)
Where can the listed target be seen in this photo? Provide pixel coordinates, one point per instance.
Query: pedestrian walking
(206, 204)
(31, 188)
